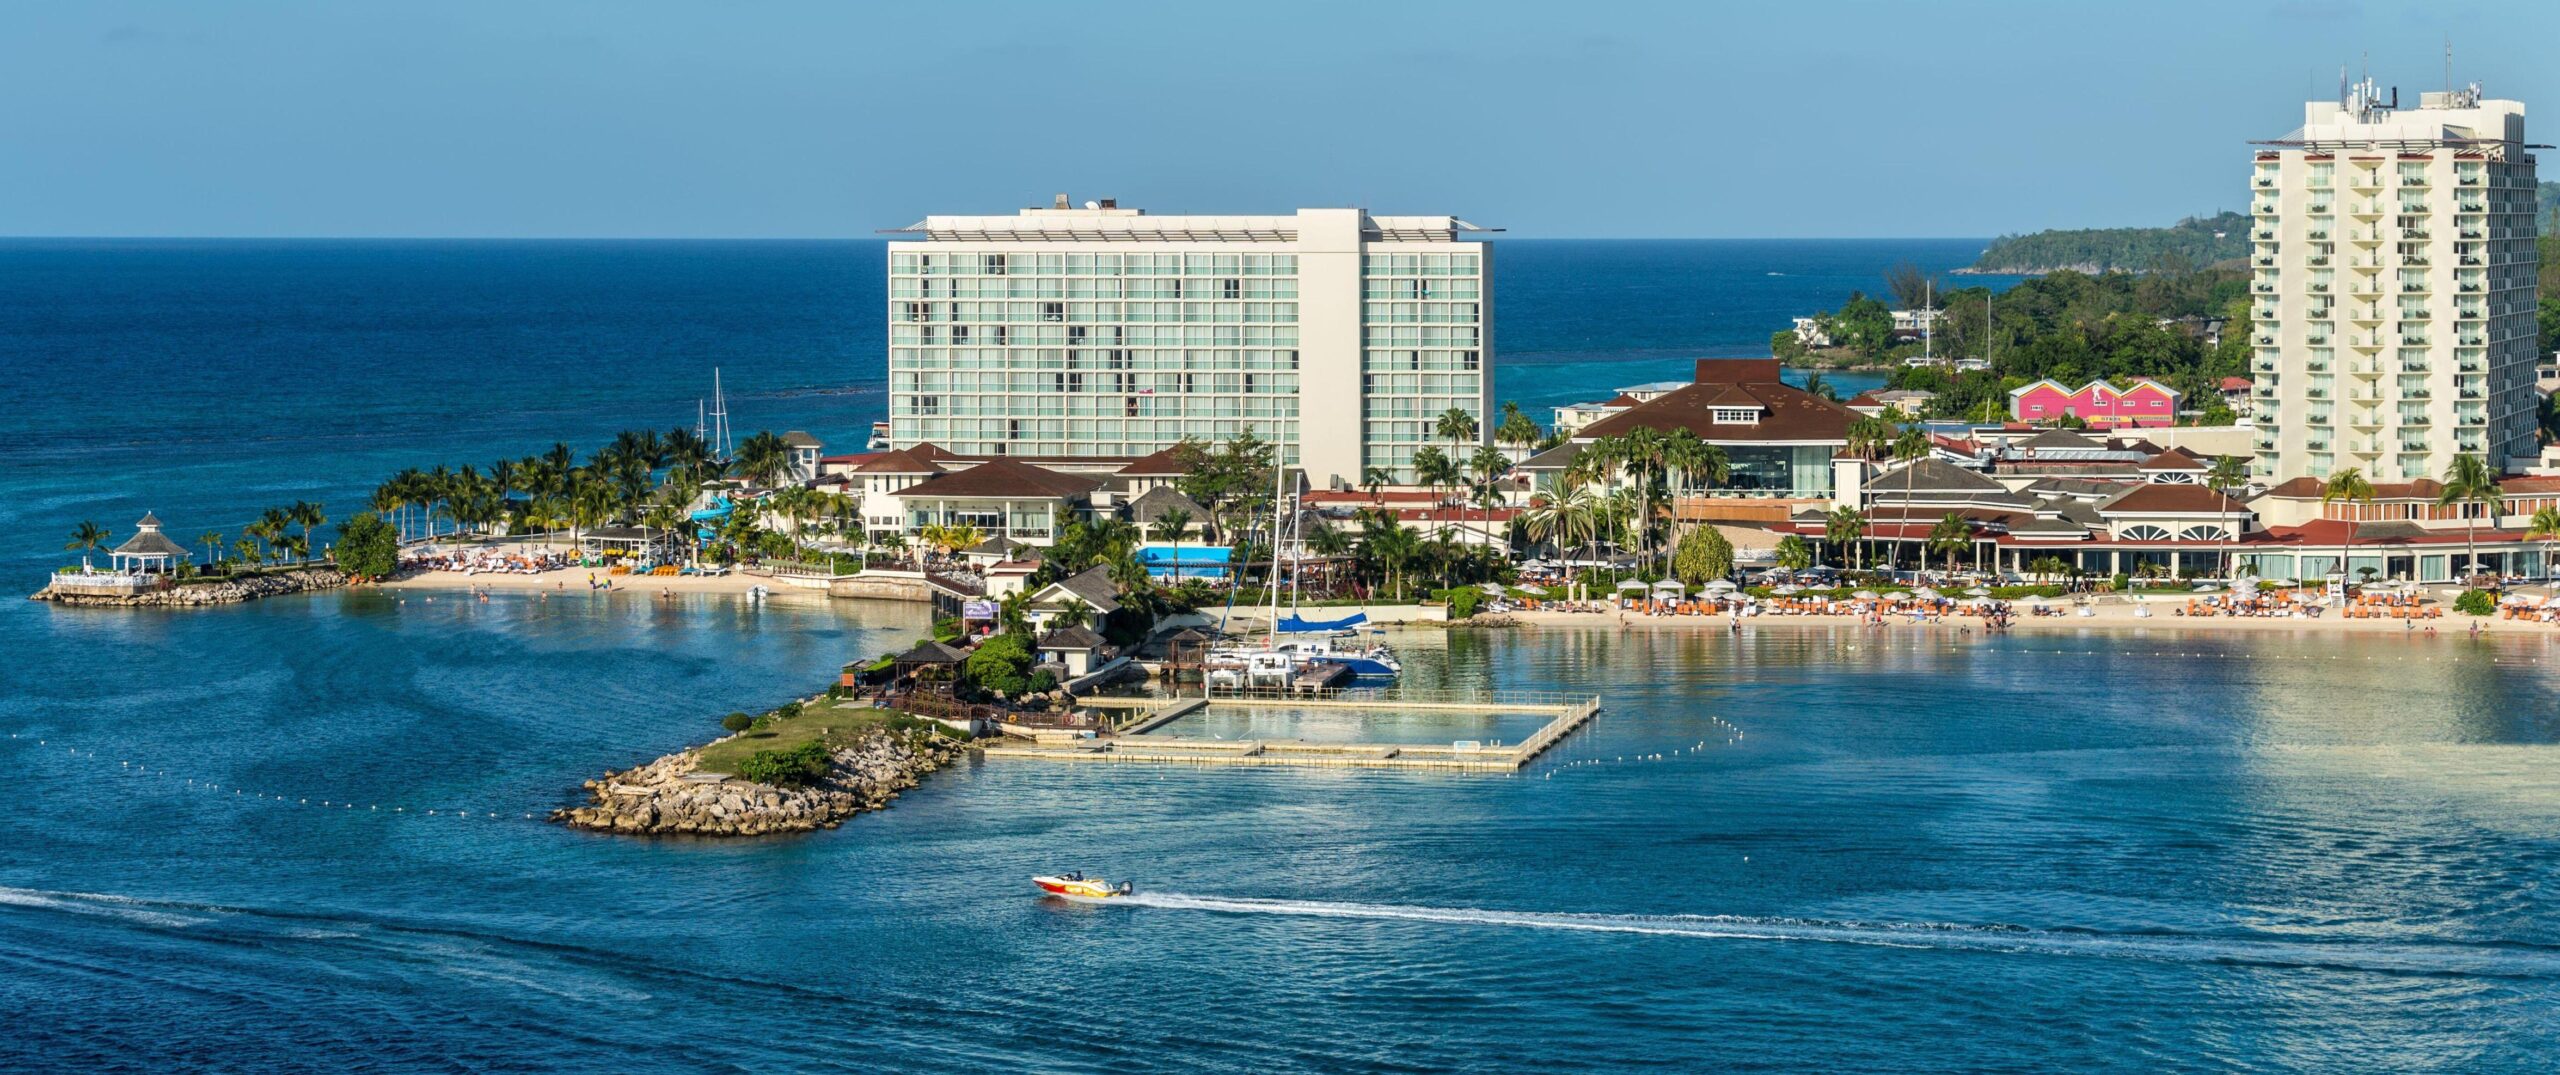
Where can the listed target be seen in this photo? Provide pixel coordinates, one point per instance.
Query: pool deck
(1131, 745)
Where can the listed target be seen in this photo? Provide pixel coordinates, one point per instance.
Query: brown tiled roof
(1623, 400)
(1788, 413)
(2173, 459)
(1161, 464)
(2173, 500)
(2308, 488)
(901, 461)
(1003, 477)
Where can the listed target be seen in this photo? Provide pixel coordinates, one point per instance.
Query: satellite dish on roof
(1089, 204)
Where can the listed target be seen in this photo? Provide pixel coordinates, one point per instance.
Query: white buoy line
(1731, 735)
(235, 793)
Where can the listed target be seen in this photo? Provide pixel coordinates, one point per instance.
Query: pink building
(2147, 403)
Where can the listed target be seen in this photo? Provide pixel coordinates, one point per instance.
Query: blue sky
(810, 119)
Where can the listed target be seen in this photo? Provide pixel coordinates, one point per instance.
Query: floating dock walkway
(1130, 743)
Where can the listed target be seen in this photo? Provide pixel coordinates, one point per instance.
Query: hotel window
(1736, 415)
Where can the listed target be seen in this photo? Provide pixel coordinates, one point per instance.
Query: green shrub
(1001, 663)
(2476, 603)
(788, 711)
(2121, 582)
(367, 547)
(737, 722)
(1462, 601)
(799, 766)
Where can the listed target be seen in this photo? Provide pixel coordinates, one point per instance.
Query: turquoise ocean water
(1925, 852)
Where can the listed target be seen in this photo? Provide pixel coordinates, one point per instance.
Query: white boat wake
(2450, 958)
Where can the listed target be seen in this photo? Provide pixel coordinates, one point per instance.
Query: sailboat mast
(1279, 477)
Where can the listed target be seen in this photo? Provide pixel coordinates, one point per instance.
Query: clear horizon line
(19, 237)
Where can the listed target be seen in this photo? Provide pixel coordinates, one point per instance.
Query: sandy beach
(575, 580)
(2108, 616)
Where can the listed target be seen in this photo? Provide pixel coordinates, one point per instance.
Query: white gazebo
(148, 551)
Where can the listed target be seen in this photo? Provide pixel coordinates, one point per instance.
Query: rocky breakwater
(672, 795)
(69, 590)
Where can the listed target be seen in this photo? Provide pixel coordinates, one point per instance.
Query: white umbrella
(1790, 588)
(2036, 600)
(1864, 595)
(1494, 588)
(1978, 591)
(1926, 594)
(1719, 585)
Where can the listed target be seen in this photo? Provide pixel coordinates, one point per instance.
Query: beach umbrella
(1979, 591)
(2037, 600)
(1925, 593)
(1788, 589)
(1864, 595)
(1720, 585)
(1493, 588)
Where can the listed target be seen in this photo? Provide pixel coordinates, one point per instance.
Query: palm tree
(1394, 545)
(86, 538)
(1374, 479)
(1517, 430)
(306, 515)
(212, 542)
(1434, 468)
(1951, 536)
(1869, 434)
(2227, 473)
(1075, 614)
(1793, 554)
(1909, 448)
(763, 458)
(1842, 526)
(2467, 482)
(2545, 525)
(1170, 525)
(1561, 517)
(2348, 485)
(1487, 466)
(1455, 425)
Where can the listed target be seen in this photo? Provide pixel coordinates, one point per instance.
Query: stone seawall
(669, 795)
(192, 595)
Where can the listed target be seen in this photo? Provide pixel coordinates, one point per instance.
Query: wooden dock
(1132, 746)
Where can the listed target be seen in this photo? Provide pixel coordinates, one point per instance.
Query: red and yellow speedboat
(1077, 886)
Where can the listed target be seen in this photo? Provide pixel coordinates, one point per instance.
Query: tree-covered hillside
(2190, 243)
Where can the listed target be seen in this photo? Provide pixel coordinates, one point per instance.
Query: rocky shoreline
(195, 595)
(670, 795)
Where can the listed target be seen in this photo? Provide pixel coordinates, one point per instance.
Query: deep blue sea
(294, 835)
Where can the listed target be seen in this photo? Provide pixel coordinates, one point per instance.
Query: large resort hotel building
(2394, 293)
(1100, 332)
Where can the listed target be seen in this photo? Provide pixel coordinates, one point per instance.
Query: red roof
(2172, 500)
(2236, 384)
